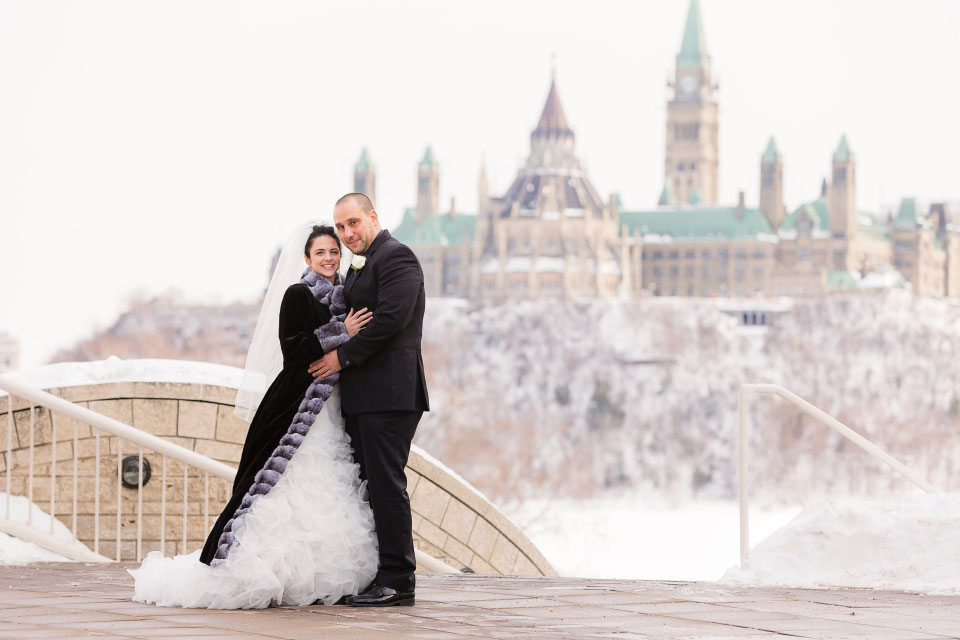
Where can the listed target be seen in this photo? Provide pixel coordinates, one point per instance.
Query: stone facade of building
(552, 234)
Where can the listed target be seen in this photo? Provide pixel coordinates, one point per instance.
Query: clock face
(688, 83)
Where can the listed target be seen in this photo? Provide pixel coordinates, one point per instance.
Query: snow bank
(14, 551)
(909, 544)
(113, 369)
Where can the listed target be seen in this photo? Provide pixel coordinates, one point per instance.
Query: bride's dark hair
(321, 230)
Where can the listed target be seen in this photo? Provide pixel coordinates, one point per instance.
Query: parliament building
(552, 234)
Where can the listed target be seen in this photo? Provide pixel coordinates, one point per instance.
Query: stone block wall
(451, 521)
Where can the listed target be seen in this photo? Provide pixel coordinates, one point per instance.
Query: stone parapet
(451, 520)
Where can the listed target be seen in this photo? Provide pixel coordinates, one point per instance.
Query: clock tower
(691, 158)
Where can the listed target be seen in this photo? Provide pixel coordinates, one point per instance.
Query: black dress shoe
(379, 596)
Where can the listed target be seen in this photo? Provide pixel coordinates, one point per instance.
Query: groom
(382, 386)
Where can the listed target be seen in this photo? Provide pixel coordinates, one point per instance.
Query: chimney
(453, 208)
(740, 206)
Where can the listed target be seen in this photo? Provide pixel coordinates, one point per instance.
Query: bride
(298, 528)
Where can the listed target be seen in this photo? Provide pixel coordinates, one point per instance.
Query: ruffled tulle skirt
(310, 538)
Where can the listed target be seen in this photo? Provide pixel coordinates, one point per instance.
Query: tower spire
(428, 186)
(771, 154)
(552, 119)
(365, 176)
(693, 49)
(843, 152)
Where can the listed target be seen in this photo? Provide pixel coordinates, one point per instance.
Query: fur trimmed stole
(331, 335)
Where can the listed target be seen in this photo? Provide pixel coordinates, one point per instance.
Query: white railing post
(76, 460)
(183, 548)
(163, 506)
(139, 503)
(10, 425)
(53, 469)
(30, 468)
(119, 491)
(743, 443)
(96, 494)
(206, 501)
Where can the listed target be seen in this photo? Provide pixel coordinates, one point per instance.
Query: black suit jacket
(383, 364)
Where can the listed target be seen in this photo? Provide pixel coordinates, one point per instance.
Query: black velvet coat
(300, 314)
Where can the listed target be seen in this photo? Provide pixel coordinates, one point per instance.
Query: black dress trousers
(381, 445)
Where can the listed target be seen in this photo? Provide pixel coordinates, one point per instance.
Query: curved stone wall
(451, 520)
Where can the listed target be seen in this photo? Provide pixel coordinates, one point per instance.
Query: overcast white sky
(150, 146)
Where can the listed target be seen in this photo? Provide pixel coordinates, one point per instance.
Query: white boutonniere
(358, 262)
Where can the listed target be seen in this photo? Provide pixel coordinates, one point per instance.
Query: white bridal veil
(264, 359)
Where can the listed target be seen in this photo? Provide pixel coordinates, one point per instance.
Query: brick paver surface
(93, 601)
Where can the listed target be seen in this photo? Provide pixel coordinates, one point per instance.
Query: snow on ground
(908, 543)
(16, 551)
(625, 537)
(113, 369)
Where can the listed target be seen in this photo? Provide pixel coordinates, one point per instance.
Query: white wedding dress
(310, 538)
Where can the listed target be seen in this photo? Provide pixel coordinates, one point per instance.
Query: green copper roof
(843, 150)
(907, 214)
(667, 196)
(841, 280)
(436, 230)
(693, 50)
(428, 162)
(697, 223)
(771, 154)
(695, 196)
(363, 164)
(817, 210)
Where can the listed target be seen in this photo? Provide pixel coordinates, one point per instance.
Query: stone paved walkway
(92, 601)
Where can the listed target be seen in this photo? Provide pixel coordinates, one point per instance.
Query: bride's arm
(297, 339)
(334, 333)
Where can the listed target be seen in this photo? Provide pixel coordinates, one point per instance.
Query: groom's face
(357, 228)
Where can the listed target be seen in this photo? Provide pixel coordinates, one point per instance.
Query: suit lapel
(348, 283)
(353, 274)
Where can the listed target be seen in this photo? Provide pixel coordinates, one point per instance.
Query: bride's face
(324, 256)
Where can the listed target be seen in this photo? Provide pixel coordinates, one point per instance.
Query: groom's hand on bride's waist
(328, 365)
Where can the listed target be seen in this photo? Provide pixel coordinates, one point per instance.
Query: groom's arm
(398, 285)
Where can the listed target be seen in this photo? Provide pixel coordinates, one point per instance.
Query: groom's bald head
(356, 222)
(358, 199)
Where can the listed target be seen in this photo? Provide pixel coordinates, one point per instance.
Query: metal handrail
(743, 419)
(14, 386)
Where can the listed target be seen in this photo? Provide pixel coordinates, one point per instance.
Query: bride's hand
(357, 320)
